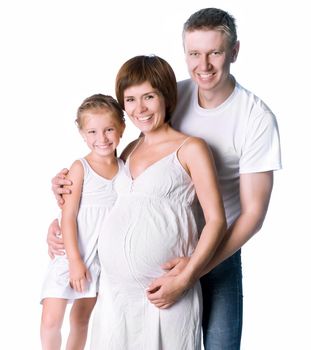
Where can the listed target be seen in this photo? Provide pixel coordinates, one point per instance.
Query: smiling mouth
(143, 119)
(205, 76)
(107, 145)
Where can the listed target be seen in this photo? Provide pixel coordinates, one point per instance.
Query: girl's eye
(110, 129)
(129, 99)
(91, 132)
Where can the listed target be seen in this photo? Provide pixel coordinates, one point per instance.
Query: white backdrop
(56, 53)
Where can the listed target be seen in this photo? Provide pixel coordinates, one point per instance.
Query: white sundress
(151, 222)
(98, 197)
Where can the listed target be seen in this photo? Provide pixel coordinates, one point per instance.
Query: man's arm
(54, 238)
(58, 183)
(255, 192)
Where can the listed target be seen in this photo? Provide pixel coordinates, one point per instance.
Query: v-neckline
(149, 166)
(100, 176)
(152, 164)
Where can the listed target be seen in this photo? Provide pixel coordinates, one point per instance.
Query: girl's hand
(79, 275)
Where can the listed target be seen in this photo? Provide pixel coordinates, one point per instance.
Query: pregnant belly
(136, 241)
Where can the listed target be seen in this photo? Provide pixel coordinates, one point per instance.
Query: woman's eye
(148, 97)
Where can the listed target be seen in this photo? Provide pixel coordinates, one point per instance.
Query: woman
(153, 222)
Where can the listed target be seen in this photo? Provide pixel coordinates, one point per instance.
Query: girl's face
(101, 131)
(145, 106)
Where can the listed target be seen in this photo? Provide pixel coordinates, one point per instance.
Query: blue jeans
(223, 305)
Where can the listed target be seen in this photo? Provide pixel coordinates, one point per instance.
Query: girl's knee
(49, 323)
(53, 313)
(81, 312)
(80, 319)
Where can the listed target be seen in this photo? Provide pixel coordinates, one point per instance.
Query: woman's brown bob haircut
(154, 70)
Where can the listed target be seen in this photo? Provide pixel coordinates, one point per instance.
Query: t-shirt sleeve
(261, 150)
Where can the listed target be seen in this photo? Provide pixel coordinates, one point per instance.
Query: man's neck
(212, 99)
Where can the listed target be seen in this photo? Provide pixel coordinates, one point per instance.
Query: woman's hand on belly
(164, 291)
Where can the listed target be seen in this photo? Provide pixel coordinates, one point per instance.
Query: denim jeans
(223, 305)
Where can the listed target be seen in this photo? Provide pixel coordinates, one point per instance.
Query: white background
(56, 53)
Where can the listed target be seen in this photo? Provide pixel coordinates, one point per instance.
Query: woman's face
(145, 106)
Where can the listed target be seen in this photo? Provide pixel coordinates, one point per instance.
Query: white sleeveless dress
(98, 197)
(151, 222)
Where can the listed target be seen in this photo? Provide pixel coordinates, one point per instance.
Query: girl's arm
(62, 185)
(78, 272)
(197, 160)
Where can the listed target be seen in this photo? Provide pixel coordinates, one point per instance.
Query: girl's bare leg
(79, 320)
(53, 311)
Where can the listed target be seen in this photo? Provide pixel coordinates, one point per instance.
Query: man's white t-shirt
(242, 133)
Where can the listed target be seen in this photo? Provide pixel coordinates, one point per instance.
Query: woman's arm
(202, 170)
(197, 160)
(255, 192)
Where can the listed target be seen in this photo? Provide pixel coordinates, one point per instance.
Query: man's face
(208, 57)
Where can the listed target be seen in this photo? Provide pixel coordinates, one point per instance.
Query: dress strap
(185, 140)
(134, 148)
(85, 164)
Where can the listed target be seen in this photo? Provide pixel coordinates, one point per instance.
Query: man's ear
(235, 51)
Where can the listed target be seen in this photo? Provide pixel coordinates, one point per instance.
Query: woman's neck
(158, 135)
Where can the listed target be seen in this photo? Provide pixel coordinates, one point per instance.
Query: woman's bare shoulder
(193, 142)
(128, 149)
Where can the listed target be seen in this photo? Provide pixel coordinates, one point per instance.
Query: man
(243, 135)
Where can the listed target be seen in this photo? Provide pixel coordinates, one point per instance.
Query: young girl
(74, 276)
